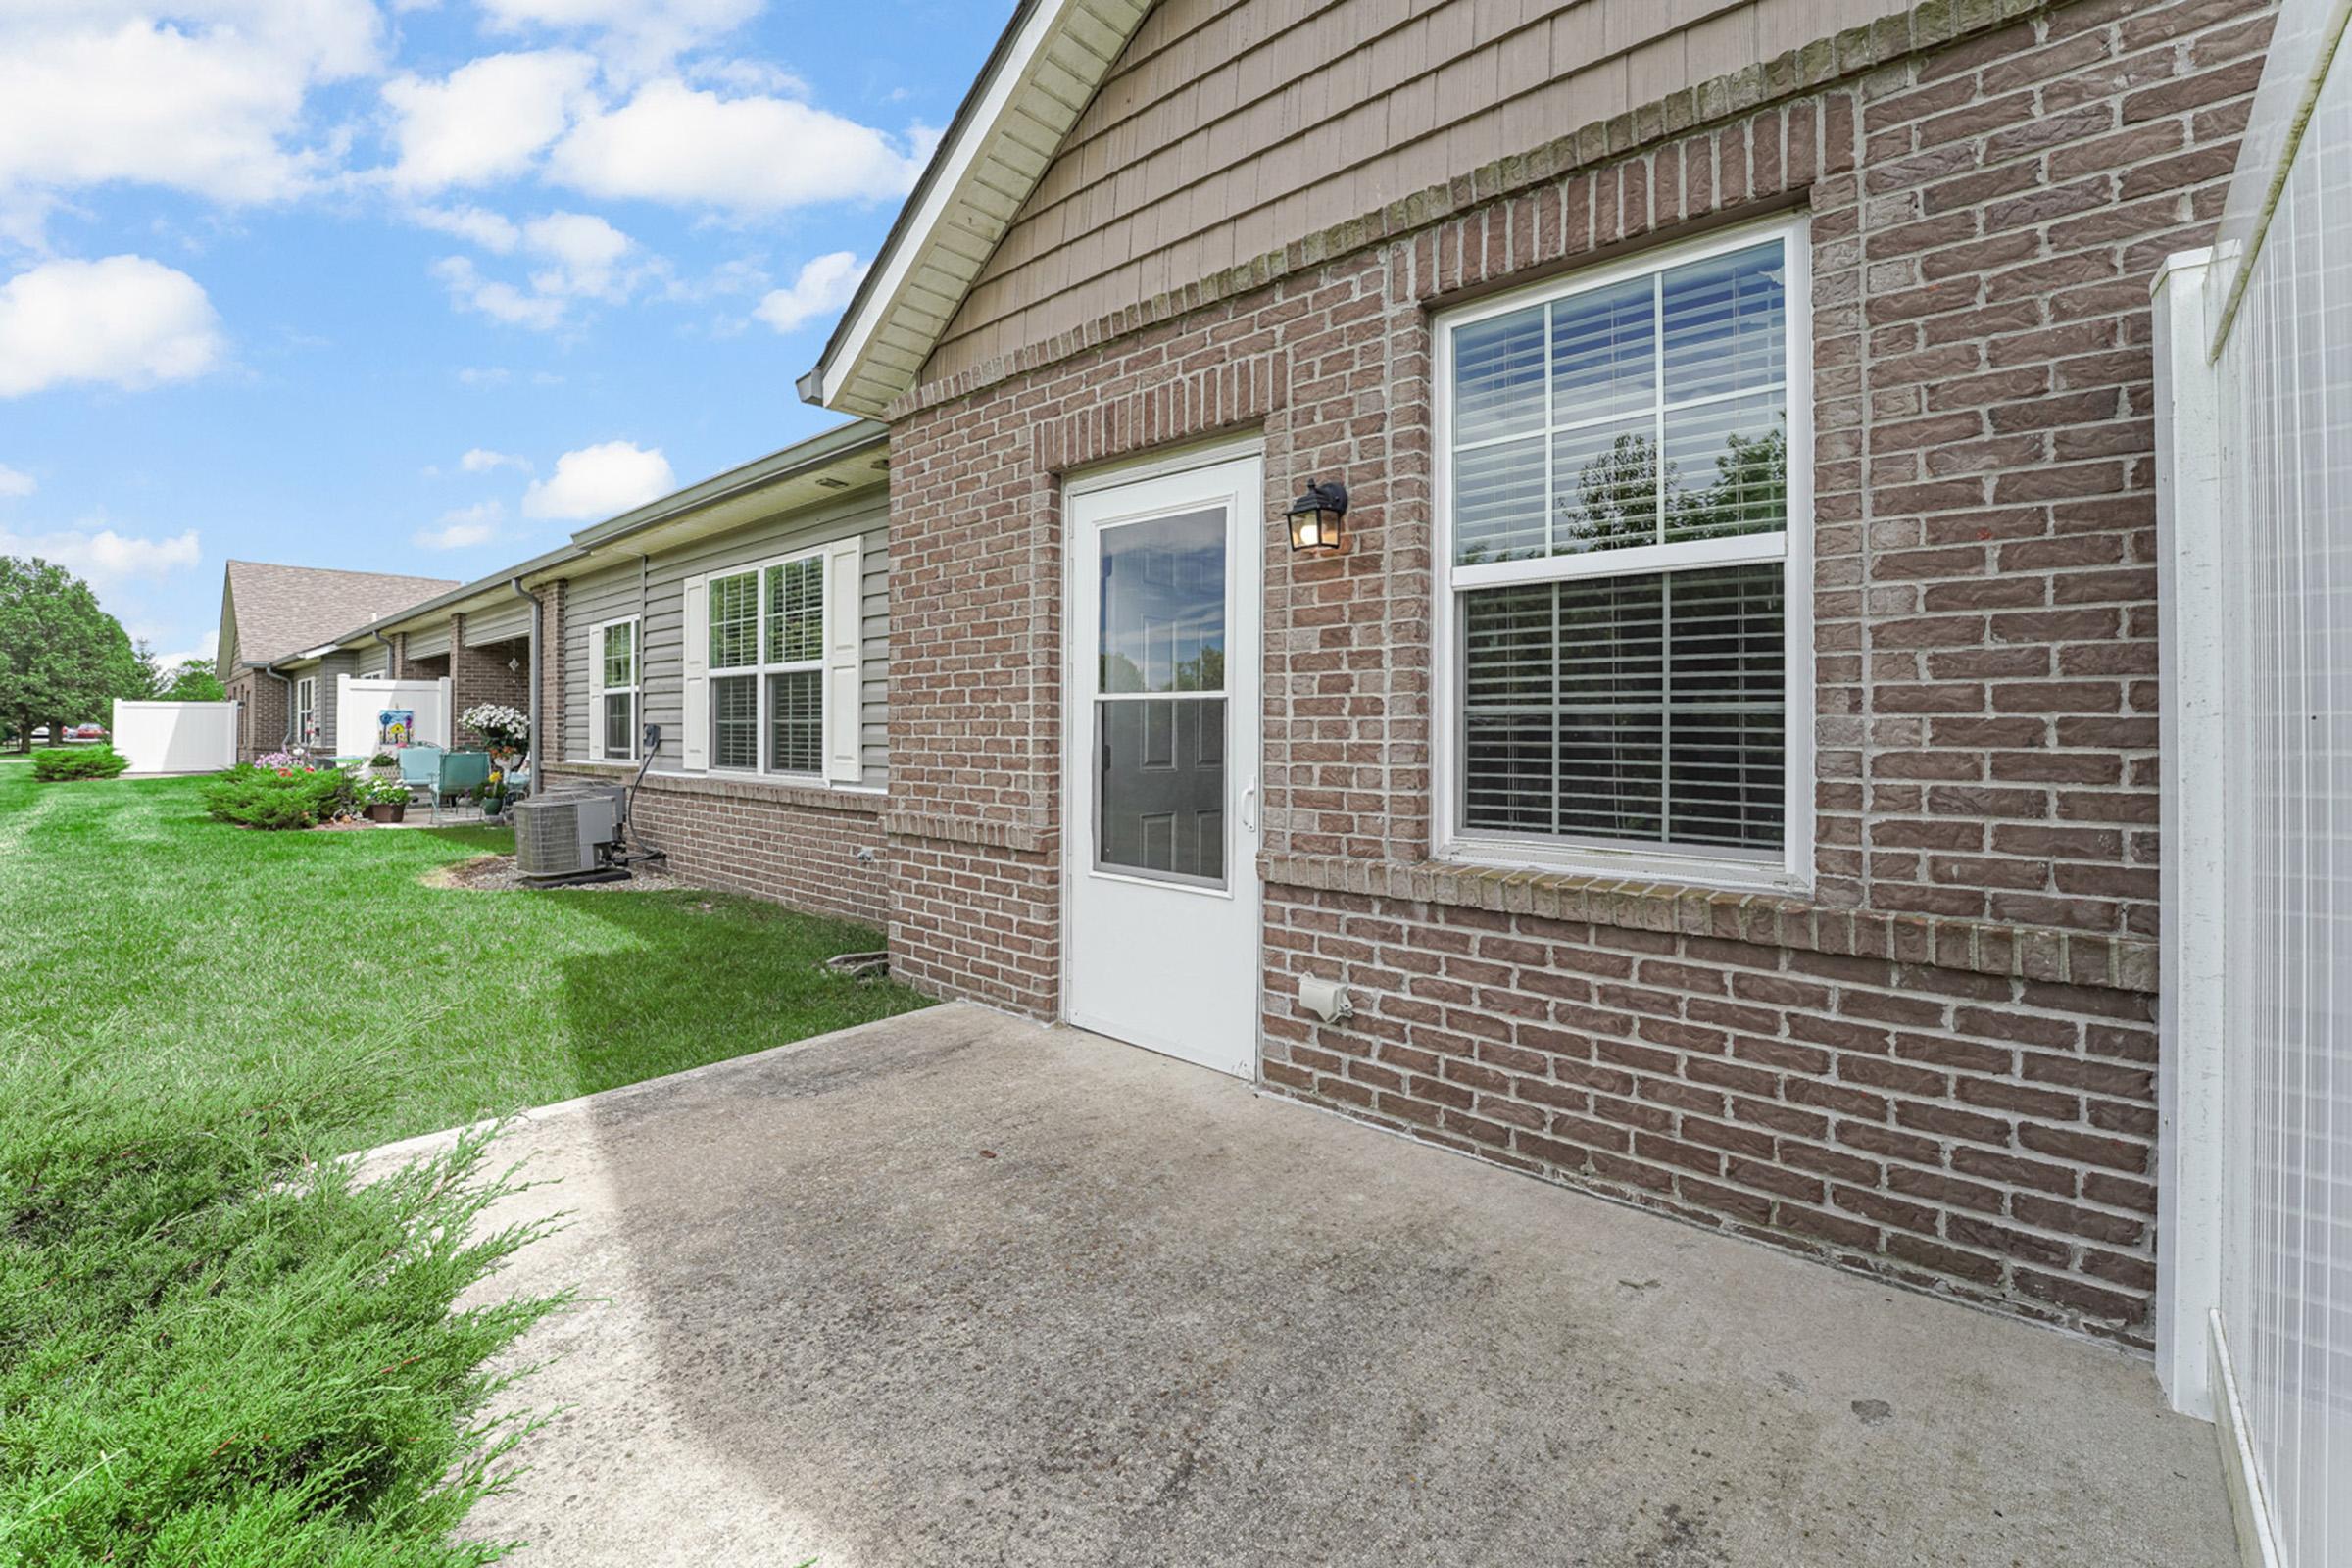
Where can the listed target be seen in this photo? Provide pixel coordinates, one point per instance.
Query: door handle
(1249, 807)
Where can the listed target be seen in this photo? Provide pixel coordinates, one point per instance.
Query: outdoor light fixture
(1315, 518)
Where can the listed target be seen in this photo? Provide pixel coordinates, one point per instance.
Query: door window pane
(735, 721)
(796, 737)
(1163, 621)
(1161, 790)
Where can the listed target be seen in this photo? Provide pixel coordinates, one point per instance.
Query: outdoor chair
(459, 774)
(419, 769)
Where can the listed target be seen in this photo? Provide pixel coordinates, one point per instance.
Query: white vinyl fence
(176, 737)
(374, 712)
(2255, 490)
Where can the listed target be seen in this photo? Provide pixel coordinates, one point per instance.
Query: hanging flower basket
(502, 728)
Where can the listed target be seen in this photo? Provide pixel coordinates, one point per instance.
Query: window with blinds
(619, 687)
(1616, 498)
(767, 688)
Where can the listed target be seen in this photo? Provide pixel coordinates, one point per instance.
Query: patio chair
(460, 774)
(419, 769)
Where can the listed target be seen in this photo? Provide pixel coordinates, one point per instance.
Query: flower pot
(387, 811)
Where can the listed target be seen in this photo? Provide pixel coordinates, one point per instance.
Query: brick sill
(865, 802)
(1980, 946)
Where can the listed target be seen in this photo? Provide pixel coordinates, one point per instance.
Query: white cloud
(481, 459)
(824, 285)
(124, 321)
(463, 528)
(634, 35)
(107, 557)
(207, 649)
(600, 482)
(585, 257)
(487, 120)
(673, 143)
(491, 231)
(481, 375)
(207, 96)
(16, 482)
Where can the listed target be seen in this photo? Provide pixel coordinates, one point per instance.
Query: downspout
(392, 654)
(538, 680)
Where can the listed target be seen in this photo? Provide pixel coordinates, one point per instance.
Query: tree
(191, 682)
(63, 659)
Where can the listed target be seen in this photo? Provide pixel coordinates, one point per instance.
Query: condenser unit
(569, 835)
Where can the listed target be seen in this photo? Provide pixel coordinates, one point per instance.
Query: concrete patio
(953, 1289)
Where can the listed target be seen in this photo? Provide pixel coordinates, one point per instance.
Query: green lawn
(185, 949)
(214, 1349)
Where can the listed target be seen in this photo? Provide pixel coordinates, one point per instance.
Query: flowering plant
(285, 765)
(501, 727)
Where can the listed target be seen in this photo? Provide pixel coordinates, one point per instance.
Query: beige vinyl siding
(374, 659)
(497, 623)
(430, 643)
(1229, 130)
(614, 595)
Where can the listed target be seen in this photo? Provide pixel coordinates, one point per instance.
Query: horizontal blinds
(1645, 708)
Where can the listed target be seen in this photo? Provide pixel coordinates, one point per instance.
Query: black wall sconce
(1314, 519)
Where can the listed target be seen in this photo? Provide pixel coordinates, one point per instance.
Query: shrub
(214, 1350)
(58, 763)
(276, 798)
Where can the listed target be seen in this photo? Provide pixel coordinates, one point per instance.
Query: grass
(214, 1349)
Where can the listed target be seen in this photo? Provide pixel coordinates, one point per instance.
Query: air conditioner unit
(569, 835)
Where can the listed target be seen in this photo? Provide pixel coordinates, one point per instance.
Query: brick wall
(554, 597)
(480, 675)
(798, 845)
(261, 720)
(1938, 1067)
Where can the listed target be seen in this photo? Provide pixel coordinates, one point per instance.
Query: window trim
(762, 667)
(306, 710)
(1792, 870)
(634, 691)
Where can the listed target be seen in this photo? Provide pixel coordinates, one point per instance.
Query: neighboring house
(1718, 770)
(277, 658)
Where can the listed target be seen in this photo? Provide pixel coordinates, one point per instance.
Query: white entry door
(1162, 738)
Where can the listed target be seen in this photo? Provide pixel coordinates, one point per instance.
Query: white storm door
(1162, 731)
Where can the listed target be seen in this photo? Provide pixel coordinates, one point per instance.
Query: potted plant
(494, 795)
(384, 765)
(381, 799)
(505, 732)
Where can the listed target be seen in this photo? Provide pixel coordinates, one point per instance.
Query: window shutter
(595, 693)
(695, 743)
(845, 637)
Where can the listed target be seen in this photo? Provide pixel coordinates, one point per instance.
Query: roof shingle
(283, 609)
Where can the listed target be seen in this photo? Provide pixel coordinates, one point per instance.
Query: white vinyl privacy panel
(2283, 385)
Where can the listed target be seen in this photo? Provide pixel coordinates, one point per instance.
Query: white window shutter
(694, 746)
(595, 693)
(845, 681)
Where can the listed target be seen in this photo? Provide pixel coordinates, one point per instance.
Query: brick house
(1718, 769)
(1767, 842)
(279, 653)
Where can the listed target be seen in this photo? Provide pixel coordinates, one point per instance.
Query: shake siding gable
(1937, 1067)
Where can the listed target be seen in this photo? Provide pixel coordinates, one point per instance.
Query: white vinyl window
(767, 668)
(1622, 619)
(616, 703)
(306, 710)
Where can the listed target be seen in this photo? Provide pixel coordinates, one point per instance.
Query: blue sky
(423, 287)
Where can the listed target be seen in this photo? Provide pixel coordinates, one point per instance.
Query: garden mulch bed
(497, 873)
